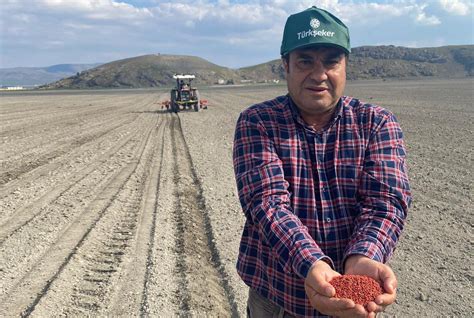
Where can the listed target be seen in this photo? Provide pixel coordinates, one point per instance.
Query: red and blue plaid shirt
(309, 195)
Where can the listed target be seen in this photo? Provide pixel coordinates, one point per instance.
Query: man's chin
(321, 104)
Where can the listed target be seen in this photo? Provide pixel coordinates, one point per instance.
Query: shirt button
(328, 220)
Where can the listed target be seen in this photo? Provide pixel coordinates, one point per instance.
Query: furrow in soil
(116, 204)
(31, 210)
(203, 289)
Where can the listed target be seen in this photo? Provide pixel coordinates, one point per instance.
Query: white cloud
(220, 13)
(423, 19)
(373, 13)
(457, 7)
(98, 9)
(370, 13)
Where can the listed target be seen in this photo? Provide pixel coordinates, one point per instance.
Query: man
(322, 182)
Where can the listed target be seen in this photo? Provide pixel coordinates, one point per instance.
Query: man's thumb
(329, 291)
(317, 279)
(322, 287)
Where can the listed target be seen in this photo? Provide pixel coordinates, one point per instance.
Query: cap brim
(309, 45)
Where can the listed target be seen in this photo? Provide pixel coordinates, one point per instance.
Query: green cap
(314, 27)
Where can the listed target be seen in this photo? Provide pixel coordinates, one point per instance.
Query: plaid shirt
(309, 195)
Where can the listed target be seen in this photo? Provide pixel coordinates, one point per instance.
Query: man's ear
(284, 61)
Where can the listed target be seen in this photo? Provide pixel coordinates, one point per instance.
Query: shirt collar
(297, 116)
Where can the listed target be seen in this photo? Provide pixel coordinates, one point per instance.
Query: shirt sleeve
(264, 196)
(384, 194)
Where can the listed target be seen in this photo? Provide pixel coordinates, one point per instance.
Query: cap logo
(314, 23)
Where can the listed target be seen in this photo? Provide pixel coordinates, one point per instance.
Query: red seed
(361, 289)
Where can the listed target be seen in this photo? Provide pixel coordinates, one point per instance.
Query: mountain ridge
(35, 76)
(384, 62)
(365, 62)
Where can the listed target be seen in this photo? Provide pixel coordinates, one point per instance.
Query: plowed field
(111, 206)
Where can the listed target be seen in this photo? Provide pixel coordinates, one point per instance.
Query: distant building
(12, 88)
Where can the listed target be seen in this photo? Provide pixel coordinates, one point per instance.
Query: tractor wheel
(196, 105)
(174, 105)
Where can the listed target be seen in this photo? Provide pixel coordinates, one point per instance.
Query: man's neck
(318, 121)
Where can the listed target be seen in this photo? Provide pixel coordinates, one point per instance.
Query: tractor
(184, 96)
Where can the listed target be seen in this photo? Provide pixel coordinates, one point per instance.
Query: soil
(110, 206)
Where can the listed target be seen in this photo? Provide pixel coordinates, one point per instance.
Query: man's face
(316, 78)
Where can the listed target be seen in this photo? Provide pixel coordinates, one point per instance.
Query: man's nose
(318, 73)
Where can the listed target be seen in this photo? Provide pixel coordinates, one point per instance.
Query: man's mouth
(317, 89)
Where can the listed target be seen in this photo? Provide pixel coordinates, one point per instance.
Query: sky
(231, 33)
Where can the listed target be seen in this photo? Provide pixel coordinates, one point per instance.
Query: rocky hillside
(367, 62)
(398, 62)
(265, 71)
(370, 62)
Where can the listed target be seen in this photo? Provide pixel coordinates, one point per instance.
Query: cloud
(237, 15)
(97, 9)
(423, 19)
(226, 32)
(457, 7)
(374, 14)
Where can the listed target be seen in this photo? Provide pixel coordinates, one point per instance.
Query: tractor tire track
(198, 259)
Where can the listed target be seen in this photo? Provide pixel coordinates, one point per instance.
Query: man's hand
(320, 293)
(362, 265)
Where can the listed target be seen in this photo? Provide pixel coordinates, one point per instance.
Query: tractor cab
(184, 89)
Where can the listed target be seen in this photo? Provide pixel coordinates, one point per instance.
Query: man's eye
(305, 62)
(334, 59)
(331, 62)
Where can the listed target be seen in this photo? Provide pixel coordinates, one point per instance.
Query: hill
(367, 62)
(30, 76)
(400, 62)
(370, 62)
(146, 71)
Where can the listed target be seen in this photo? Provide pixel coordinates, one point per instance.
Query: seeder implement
(203, 103)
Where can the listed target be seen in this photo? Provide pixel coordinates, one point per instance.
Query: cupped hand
(321, 293)
(383, 274)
